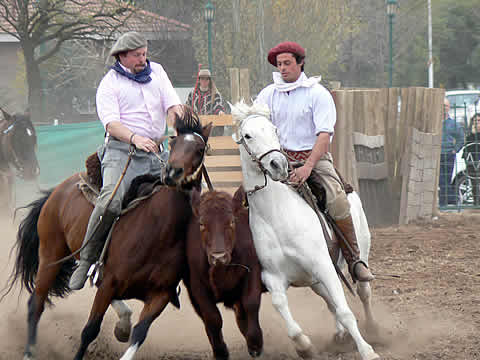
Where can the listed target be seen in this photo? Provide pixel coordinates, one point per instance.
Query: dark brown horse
(18, 144)
(223, 267)
(146, 257)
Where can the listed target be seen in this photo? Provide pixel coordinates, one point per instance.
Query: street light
(392, 7)
(209, 17)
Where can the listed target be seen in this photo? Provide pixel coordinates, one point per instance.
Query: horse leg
(123, 326)
(365, 293)
(278, 291)
(344, 315)
(340, 334)
(45, 278)
(103, 298)
(151, 310)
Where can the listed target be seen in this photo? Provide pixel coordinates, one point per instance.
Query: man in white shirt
(135, 99)
(305, 115)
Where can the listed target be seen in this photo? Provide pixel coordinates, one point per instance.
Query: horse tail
(27, 258)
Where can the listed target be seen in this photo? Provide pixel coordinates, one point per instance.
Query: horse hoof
(255, 353)
(304, 347)
(122, 332)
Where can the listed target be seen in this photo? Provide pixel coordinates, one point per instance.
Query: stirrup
(95, 273)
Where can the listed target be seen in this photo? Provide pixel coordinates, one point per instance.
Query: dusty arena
(426, 299)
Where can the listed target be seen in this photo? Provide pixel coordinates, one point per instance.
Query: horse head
(259, 138)
(187, 149)
(18, 144)
(215, 213)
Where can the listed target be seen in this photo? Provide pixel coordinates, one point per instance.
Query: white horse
(287, 234)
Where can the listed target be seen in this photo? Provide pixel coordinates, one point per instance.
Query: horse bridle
(201, 166)
(255, 159)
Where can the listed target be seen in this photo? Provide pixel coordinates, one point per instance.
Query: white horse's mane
(241, 110)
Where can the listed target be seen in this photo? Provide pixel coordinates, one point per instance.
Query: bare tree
(43, 26)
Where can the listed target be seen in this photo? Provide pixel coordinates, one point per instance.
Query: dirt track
(432, 311)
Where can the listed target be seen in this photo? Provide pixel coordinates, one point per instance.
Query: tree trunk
(34, 82)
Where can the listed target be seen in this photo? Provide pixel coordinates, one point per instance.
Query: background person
(205, 99)
(134, 100)
(452, 141)
(471, 154)
(305, 115)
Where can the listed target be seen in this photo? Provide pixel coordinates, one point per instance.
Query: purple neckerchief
(141, 77)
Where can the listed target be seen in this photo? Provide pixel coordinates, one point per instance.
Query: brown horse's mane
(188, 123)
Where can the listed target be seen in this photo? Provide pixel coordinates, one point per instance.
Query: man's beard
(138, 68)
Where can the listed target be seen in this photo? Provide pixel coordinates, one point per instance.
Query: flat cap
(129, 41)
(284, 47)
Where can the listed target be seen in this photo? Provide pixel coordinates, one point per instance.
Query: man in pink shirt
(135, 100)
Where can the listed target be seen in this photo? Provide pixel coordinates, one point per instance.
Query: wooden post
(234, 85)
(244, 81)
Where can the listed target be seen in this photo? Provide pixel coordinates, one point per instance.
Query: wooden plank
(234, 85)
(217, 120)
(225, 160)
(231, 176)
(222, 142)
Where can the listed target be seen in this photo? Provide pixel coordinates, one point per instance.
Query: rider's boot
(94, 241)
(358, 269)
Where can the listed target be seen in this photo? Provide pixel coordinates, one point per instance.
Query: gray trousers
(113, 156)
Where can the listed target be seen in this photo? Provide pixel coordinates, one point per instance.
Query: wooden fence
(380, 136)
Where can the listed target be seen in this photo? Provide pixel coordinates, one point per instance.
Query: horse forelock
(188, 123)
(242, 111)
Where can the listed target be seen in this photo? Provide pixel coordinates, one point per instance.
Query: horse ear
(195, 202)
(6, 115)
(207, 129)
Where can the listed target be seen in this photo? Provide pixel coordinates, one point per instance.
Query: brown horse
(223, 267)
(146, 257)
(18, 144)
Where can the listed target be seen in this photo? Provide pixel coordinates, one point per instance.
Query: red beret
(284, 47)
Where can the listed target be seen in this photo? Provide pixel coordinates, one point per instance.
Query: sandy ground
(430, 311)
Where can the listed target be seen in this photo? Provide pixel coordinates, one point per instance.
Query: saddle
(142, 187)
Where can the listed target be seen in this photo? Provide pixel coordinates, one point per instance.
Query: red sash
(299, 155)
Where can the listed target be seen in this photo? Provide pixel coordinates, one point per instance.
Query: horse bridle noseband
(257, 160)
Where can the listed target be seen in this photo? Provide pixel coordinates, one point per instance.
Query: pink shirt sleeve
(108, 108)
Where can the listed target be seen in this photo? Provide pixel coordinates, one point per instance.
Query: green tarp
(62, 151)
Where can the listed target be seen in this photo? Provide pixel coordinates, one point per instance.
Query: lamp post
(209, 17)
(392, 7)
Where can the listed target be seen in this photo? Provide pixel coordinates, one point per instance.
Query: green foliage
(263, 24)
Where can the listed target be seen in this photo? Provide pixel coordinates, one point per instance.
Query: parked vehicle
(461, 180)
(463, 104)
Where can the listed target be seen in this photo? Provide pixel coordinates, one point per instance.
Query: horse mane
(241, 110)
(188, 123)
